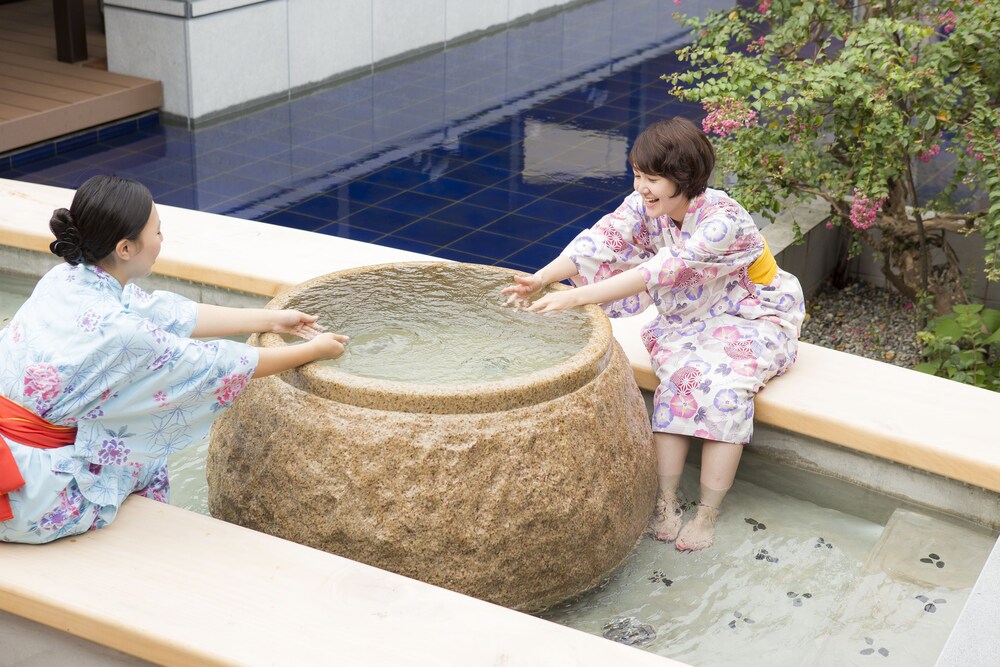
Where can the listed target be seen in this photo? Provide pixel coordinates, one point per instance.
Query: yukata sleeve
(616, 243)
(162, 394)
(720, 245)
(171, 312)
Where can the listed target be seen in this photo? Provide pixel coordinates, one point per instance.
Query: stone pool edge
(862, 405)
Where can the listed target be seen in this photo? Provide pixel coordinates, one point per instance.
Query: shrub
(841, 100)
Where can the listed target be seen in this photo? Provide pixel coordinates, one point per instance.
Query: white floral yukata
(118, 365)
(718, 337)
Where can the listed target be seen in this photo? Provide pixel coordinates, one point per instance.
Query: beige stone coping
(179, 588)
(928, 423)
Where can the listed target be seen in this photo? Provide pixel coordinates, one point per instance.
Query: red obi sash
(27, 428)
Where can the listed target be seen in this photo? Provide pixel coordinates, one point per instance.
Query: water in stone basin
(790, 580)
(457, 332)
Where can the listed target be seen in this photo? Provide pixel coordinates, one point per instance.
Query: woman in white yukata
(728, 318)
(100, 381)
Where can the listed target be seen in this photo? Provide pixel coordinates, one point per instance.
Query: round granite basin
(522, 473)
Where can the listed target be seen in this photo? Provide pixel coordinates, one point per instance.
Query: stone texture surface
(523, 506)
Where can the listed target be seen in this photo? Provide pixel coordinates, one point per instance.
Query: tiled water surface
(496, 151)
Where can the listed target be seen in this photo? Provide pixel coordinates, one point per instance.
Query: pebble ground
(866, 320)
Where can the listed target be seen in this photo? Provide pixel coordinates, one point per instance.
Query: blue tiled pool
(424, 156)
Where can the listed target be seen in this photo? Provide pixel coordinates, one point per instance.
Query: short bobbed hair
(676, 149)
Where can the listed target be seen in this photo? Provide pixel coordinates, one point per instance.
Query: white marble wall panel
(328, 37)
(238, 56)
(151, 46)
(401, 26)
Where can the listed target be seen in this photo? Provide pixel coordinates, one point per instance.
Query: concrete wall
(215, 56)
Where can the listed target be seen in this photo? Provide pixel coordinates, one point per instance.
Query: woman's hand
(521, 291)
(328, 345)
(297, 323)
(554, 302)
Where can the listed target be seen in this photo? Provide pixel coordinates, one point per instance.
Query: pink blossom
(947, 21)
(764, 6)
(231, 387)
(725, 116)
(929, 153)
(42, 381)
(756, 44)
(864, 210)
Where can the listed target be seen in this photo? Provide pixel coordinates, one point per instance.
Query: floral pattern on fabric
(117, 364)
(717, 337)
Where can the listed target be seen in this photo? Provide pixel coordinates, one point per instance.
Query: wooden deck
(42, 98)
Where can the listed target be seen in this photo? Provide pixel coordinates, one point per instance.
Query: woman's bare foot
(699, 533)
(667, 518)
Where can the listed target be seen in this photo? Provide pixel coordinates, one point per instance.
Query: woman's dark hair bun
(105, 210)
(67, 243)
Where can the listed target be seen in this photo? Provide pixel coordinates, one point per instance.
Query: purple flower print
(88, 322)
(161, 360)
(160, 397)
(69, 508)
(113, 452)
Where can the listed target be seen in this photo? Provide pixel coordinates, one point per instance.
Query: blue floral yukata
(117, 364)
(718, 336)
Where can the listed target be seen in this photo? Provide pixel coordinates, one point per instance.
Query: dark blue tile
(556, 212)
(363, 193)
(396, 177)
(479, 174)
(228, 184)
(495, 245)
(433, 232)
(467, 215)
(378, 219)
(117, 129)
(258, 148)
(448, 188)
(488, 138)
(190, 198)
(500, 199)
(583, 196)
(415, 203)
(296, 220)
(347, 231)
(460, 256)
(75, 141)
(534, 256)
(401, 243)
(522, 227)
(322, 207)
(266, 171)
(562, 237)
(40, 152)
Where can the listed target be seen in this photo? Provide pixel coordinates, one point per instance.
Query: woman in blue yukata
(100, 381)
(728, 318)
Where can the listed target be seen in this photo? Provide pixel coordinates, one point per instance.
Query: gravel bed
(866, 320)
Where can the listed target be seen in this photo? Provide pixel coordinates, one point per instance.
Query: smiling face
(661, 195)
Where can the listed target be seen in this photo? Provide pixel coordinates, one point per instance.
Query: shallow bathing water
(460, 315)
(789, 581)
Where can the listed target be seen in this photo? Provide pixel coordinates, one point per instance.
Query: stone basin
(522, 490)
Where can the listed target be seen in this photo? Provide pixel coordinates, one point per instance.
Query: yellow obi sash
(764, 268)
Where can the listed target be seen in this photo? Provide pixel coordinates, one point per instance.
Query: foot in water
(699, 533)
(667, 518)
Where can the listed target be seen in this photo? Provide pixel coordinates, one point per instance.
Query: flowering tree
(842, 100)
